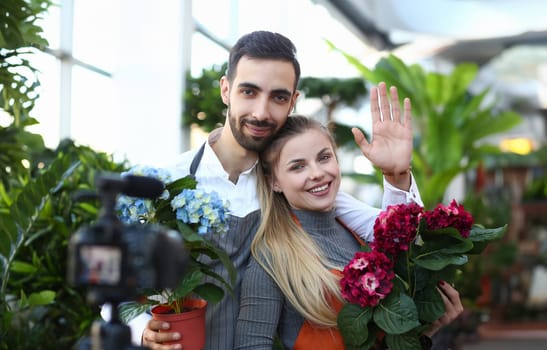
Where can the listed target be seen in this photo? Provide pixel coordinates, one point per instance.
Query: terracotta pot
(190, 324)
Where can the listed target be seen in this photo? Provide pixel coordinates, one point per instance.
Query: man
(260, 91)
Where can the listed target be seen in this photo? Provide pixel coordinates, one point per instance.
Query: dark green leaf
(481, 234)
(429, 303)
(439, 260)
(396, 314)
(353, 324)
(407, 341)
(210, 292)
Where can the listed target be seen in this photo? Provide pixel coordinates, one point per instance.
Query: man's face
(259, 100)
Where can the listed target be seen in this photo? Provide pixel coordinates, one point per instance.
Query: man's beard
(254, 144)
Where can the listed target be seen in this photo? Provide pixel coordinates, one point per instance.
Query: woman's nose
(316, 172)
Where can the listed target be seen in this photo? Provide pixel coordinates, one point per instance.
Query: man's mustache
(259, 123)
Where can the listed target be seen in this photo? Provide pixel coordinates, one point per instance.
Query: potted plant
(194, 213)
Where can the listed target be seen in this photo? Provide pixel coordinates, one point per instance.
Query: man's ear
(225, 90)
(293, 101)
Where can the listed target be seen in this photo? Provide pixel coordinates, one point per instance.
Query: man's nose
(261, 109)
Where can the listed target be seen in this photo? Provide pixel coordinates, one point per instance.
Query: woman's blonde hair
(287, 252)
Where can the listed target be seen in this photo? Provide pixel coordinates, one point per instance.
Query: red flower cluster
(367, 278)
(396, 227)
(452, 215)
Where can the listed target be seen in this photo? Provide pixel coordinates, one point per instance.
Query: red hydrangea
(367, 278)
(396, 227)
(452, 215)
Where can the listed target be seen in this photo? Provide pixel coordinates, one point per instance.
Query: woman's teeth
(319, 189)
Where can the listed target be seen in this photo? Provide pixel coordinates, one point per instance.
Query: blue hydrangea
(206, 210)
(157, 173)
(133, 210)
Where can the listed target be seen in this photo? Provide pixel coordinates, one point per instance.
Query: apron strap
(196, 161)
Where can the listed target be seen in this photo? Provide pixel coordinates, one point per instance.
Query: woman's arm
(261, 304)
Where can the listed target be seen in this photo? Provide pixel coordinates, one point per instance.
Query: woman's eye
(325, 157)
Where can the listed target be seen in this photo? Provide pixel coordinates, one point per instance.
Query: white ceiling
(461, 30)
(507, 38)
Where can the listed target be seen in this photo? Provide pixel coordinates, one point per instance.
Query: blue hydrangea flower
(133, 210)
(204, 211)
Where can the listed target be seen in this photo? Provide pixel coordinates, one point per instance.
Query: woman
(289, 289)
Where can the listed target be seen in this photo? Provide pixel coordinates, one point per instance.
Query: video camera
(114, 260)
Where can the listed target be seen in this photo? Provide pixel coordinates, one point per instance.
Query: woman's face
(307, 172)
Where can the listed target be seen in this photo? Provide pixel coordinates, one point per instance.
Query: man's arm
(360, 216)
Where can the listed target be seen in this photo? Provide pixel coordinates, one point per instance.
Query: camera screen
(100, 265)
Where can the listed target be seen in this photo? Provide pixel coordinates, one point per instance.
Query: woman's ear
(276, 187)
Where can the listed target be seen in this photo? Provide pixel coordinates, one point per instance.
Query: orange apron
(311, 337)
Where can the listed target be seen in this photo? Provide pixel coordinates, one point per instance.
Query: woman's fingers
(374, 105)
(395, 109)
(384, 102)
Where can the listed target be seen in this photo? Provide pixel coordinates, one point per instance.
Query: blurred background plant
(450, 123)
(38, 309)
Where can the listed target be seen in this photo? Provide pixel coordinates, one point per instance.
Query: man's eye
(281, 98)
(247, 92)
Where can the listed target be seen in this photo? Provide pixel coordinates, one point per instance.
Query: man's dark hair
(265, 45)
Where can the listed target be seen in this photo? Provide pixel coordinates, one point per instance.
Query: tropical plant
(335, 93)
(452, 125)
(203, 105)
(20, 36)
(38, 308)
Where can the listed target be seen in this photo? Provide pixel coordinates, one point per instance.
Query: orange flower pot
(190, 324)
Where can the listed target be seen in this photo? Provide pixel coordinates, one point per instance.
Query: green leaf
(41, 298)
(132, 309)
(444, 245)
(353, 324)
(22, 267)
(407, 341)
(481, 237)
(439, 260)
(430, 304)
(396, 314)
(210, 292)
(178, 185)
(187, 285)
(481, 234)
